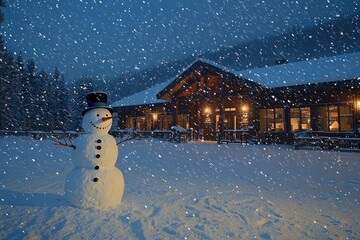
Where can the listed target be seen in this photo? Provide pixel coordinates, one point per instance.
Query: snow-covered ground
(185, 191)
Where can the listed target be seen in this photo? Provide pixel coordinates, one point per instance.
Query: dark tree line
(32, 100)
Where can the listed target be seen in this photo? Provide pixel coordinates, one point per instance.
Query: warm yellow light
(155, 116)
(244, 108)
(207, 110)
(358, 103)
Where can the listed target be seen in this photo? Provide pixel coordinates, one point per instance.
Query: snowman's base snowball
(83, 192)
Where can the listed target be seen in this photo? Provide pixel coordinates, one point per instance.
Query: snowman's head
(97, 120)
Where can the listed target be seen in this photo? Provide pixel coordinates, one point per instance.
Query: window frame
(272, 118)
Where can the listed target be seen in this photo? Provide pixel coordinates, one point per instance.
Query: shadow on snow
(8, 197)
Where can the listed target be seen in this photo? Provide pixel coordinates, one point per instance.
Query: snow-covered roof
(341, 67)
(147, 96)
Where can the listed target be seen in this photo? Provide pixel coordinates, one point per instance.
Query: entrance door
(230, 122)
(208, 125)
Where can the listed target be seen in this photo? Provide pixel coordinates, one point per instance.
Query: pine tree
(28, 81)
(41, 102)
(12, 98)
(3, 80)
(60, 105)
(20, 74)
(4, 84)
(80, 89)
(2, 4)
(51, 103)
(9, 88)
(15, 104)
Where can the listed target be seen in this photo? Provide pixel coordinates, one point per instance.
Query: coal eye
(107, 115)
(98, 115)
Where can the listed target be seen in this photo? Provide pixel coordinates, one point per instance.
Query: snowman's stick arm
(128, 138)
(57, 142)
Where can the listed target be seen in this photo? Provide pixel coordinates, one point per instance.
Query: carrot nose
(106, 118)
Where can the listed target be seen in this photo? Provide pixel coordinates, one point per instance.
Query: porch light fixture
(244, 108)
(357, 105)
(207, 110)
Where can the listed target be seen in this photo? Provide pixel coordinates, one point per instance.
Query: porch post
(175, 113)
(197, 108)
(221, 111)
(287, 120)
(314, 118)
(357, 113)
(134, 123)
(121, 120)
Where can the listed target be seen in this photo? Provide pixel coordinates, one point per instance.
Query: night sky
(112, 37)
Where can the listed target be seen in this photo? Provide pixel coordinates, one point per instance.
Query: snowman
(95, 182)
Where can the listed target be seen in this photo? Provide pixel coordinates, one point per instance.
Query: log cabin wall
(212, 101)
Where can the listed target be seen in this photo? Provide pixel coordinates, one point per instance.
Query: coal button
(96, 179)
(98, 147)
(97, 156)
(97, 167)
(99, 141)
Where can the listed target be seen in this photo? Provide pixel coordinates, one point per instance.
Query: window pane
(270, 120)
(279, 121)
(333, 114)
(161, 122)
(345, 110)
(346, 118)
(129, 123)
(168, 121)
(305, 118)
(346, 124)
(148, 122)
(244, 120)
(183, 120)
(295, 119)
(229, 120)
(140, 123)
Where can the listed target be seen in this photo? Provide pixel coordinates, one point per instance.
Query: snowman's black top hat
(96, 100)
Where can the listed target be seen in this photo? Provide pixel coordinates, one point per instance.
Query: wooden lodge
(273, 104)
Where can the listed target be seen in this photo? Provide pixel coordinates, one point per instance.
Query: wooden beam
(221, 112)
(196, 113)
(184, 87)
(175, 113)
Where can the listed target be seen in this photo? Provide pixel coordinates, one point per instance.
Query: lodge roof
(147, 96)
(335, 68)
(208, 65)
